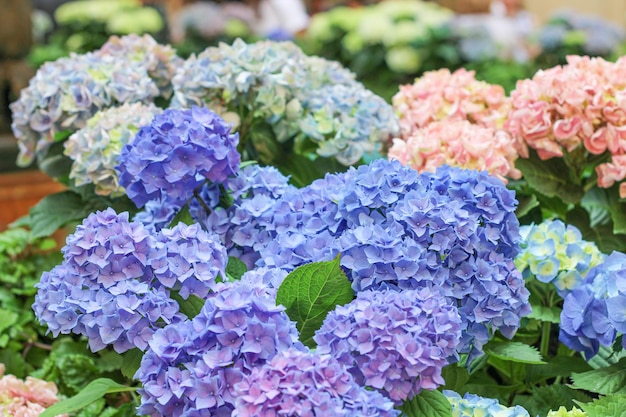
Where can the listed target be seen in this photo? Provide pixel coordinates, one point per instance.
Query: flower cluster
(103, 287)
(553, 115)
(178, 152)
(556, 253)
(193, 366)
(563, 412)
(442, 95)
(300, 383)
(27, 398)
(395, 228)
(458, 143)
(395, 342)
(64, 94)
(594, 312)
(473, 405)
(94, 148)
(298, 96)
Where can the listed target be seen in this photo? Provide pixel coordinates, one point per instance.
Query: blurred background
(386, 43)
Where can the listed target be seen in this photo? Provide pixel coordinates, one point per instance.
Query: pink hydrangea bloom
(580, 106)
(458, 143)
(25, 398)
(442, 95)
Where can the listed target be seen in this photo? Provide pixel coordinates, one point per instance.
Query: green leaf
(558, 366)
(610, 380)
(455, 376)
(190, 307)
(550, 178)
(55, 163)
(55, 211)
(543, 313)
(303, 171)
(514, 352)
(610, 405)
(131, 360)
(605, 358)
(526, 204)
(603, 236)
(427, 403)
(91, 393)
(310, 292)
(183, 216)
(235, 268)
(549, 397)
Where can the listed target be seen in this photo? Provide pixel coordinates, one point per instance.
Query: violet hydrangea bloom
(473, 405)
(193, 366)
(94, 148)
(298, 383)
(395, 342)
(102, 288)
(176, 154)
(594, 313)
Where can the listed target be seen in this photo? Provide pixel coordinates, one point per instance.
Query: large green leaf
(131, 361)
(303, 171)
(558, 366)
(605, 381)
(455, 376)
(235, 268)
(427, 403)
(310, 292)
(549, 397)
(544, 313)
(55, 211)
(191, 306)
(92, 392)
(603, 236)
(514, 352)
(610, 405)
(550, 178)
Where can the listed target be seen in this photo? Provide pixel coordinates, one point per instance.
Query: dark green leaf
(605, 381)
(607, 406)
(603, 236)
(310, 292)
(455, 376)
(55, 163)
(183, 216)
(550, 178)
(55, 211)
(235, 268)
(558, 366)
(427, 403)
(514, 352)
(549, 397)
(526, 204)
(190, 307)
(92, 392)
(131, 362)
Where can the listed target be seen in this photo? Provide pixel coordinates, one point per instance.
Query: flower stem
(545, 338)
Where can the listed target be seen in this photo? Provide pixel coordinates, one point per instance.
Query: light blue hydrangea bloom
(471, 405)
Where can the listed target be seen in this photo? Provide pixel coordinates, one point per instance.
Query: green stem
(545, 338)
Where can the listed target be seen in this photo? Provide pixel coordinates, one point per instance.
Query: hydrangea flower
(192, 366)
(444, 96)
(103, 288)
(64, 94)
(25, 398)
(297, 95)
(395, 342)
(563, 412)
(94, 148)
(178, 152)
(473, 405)
(556, 253)
(594, 313)
(553, 115)
(458, 143)
(300, 383)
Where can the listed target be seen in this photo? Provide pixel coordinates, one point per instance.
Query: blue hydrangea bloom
(177, 153)
(192, 367)
(594, 313)
(471, 405)
(103, 288)
(298, 383)
(395, 342)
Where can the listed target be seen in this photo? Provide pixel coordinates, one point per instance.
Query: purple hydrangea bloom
(188, 259)
(176, 154)
(594, 313)
(298, 383)
(395, 342)
(192, 367)
(103, 289)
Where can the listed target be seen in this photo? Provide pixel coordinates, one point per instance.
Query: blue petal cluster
(455, 229)
(192, 367)
(395, 342)
(471, 405)
(595, 312)
(188, 259)
(176, 154)
(556, 253)
(103, 289)
(298, 383)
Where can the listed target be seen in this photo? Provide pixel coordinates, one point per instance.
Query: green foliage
(310, 292)
(427, 403)
(542, 399)
(610, 405)
(605, 381)
(235, 268)
(514, 352)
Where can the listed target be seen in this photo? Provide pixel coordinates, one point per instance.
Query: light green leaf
(183, 216)
(543, 313)
(610, 380)
(605, 357)
(610, 405)
(310, 292)
(235, 268)
(92, 392)
(514, 352)
(427, 403)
